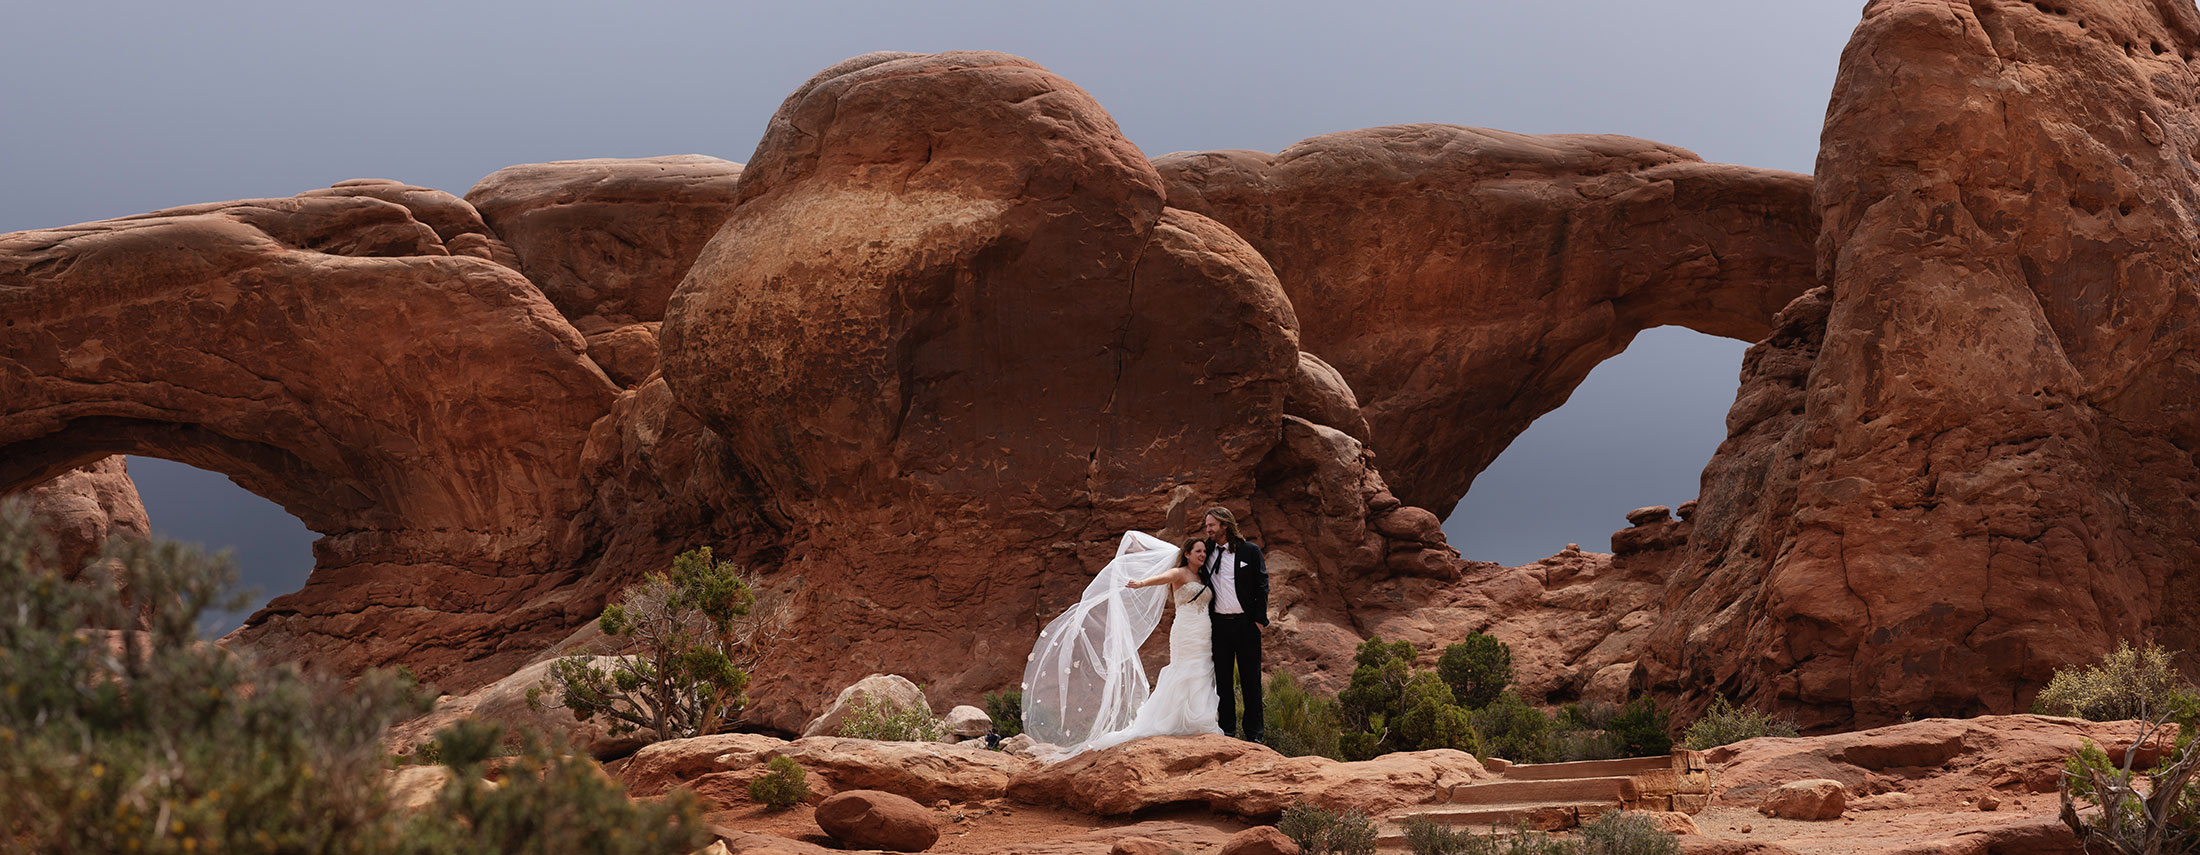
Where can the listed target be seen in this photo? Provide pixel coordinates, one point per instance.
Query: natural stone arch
(1465, 280)
(424, 411)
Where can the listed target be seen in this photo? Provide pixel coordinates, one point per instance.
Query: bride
(1084, 686)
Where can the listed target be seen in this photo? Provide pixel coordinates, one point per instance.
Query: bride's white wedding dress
(1084, 685)
(1183, 699)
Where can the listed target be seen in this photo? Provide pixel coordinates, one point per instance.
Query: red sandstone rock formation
(608, 237)
(1465, 280)
(963, 344)
(84, 506)
(423, 410)
(1970, 461)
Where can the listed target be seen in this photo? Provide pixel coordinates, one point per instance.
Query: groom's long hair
(1229, 521)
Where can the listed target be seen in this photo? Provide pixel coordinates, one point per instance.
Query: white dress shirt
(1225, 576)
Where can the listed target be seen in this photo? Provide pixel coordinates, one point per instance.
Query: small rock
(871, 819)
(1887, 801)
(1260, 840)
(1687, 510)
(1648, 515)
(1671, 822)
(1142, 846)
(1745, 828)
(968, 721)
(1020, 745)
(1989, 802)
(1814, 799)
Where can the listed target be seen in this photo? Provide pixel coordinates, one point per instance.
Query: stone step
(1627, 766)
(1609, 790)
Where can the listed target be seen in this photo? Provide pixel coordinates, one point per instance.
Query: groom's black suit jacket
(1252, 578)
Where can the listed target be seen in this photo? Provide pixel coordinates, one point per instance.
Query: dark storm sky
(119, 108)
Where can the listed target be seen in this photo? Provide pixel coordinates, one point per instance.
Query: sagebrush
(549, 797)
(1428, 837)
(123, 731)
(873, 717)
(1323, 832)
(1627, 833)
(1724, 724)
(2130, 683)
(783, 784)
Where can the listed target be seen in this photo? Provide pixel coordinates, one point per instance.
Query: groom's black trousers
(1237, 648)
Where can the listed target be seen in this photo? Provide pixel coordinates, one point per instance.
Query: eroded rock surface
(84, 506)
(339, 353)
(955, 332)
(1465, 280)
(1241, 778)
(608, 237)
(1973, 462)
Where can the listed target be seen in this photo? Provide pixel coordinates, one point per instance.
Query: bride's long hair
(1184, 559)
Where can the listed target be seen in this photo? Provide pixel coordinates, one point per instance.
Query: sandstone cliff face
(1463, 280)
(963, 344)
(949, 333)
(1987, 469)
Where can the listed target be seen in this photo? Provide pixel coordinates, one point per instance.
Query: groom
(1238, 574)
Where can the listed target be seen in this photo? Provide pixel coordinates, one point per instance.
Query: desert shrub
(1626, 833)
(2131, 683)
(1301, 723)
(1429, 837)
(2162, 817)
(548, 797)
(1601, 731)
(1512, 729)
(697, 630)
(1643, 729)
(112, 708)
(1322, 832)
(783, 784)
(1476, 669)
(1431, 720)
(1724, 724)
(1580, 731)
(871, 717)
(1379, 675)
(1006, 709)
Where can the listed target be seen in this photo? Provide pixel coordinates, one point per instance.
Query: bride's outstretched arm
(1172, 576)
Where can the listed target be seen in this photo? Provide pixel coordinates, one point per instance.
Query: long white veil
(1084, 678)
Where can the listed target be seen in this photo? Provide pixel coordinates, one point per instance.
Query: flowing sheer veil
(1084, 678)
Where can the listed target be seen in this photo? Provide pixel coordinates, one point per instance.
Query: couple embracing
(1084, 684)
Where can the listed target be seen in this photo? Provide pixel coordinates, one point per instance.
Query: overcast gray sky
(120, 108)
